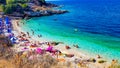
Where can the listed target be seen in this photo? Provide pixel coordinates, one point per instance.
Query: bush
(9, 8)
(10, 1)
(24, 5)
(2, 7)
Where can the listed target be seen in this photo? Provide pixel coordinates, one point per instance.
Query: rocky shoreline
(35, 10)
(40, 13)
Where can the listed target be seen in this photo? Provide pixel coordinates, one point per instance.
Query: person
(76, 46)
(28, 33)
(75, 30)
(32, 32)
(39, 36)
(114, 61)
(17, 23)
(67, 47)
(98, 56)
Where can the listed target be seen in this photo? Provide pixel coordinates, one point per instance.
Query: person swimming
(28, 33)
(32, 32)
(39, 36)
(76, 46)
(75, 30)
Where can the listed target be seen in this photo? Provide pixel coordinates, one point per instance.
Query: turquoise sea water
(97, 24)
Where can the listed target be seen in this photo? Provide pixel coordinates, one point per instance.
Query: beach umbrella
(13, 39)
(7, 20)
(39, 50)
(49, 48)
(0, 21)
(9, 30)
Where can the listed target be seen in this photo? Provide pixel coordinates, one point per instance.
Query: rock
(101, 61)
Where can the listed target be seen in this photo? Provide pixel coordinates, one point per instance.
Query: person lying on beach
(23, 34)
(32, 32)
(39, 36)
(76, 46)
(69, 55)
(17, 23)
(67, 47)
(98, 56)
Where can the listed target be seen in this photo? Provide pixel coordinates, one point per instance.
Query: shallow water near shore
(93, 26)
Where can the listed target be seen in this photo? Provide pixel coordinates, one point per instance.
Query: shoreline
(61, 47)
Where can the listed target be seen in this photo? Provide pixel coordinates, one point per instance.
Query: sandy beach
(54, 34)
(73, 50)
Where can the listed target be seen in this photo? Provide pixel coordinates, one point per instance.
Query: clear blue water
(97, 22)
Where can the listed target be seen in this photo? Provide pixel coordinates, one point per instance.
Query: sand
(61, 47)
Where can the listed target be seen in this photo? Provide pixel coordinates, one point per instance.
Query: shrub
(2, 7)
(24, 5)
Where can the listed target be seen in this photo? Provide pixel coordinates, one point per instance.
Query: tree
(2, 7)
(2, 1)
(8, 9)
(24, 5)
(10, 1)
(43, 1)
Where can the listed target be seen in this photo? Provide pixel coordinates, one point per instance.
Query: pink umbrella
(39, 50)
(49, 48)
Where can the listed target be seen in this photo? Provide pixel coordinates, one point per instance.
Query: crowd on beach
(32, 50)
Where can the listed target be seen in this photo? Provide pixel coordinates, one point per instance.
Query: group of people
(29, 48)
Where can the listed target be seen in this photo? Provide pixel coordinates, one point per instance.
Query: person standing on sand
(17, 23)
(28, 34)
(32, 32)
(39, 36)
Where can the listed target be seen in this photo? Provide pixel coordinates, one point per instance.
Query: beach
(73, 50)
(39, 34)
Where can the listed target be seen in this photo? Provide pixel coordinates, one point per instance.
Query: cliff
(30, 8)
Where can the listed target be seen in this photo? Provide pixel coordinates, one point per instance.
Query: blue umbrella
(0, 21)
(9, 30)
(7, 20)
(13, 39)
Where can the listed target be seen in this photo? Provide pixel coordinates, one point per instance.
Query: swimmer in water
(75, 30)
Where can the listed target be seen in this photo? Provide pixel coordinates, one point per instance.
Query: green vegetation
(24, 5)
(2, 7)
(43, 1)
(10, 6)
(10, 1)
